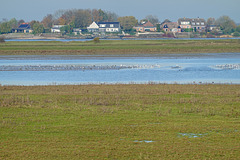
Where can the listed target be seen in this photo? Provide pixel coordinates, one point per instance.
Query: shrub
(96, 40)
(236, 34)
(2, 39)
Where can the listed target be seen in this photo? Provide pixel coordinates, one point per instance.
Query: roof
(93, 26)
(24, 26)
(201, 21)
(108, 24)
(148, 24)
(184, 20)
(170, 25)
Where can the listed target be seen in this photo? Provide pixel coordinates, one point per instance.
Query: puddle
(191, 135)
(146, 141)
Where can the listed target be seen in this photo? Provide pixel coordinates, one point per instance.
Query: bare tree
(153, 19)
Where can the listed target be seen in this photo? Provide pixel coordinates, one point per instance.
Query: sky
(164, 9)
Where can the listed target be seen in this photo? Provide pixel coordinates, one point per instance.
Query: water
(168, 68)
(68, 40)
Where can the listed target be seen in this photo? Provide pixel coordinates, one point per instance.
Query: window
(193, 23)
(111, 25)
(202, 23)
(103, 25)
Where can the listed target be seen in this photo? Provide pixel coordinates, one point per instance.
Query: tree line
(82, 18)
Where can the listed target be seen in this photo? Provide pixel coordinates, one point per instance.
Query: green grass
(119, 47)
(107, 121)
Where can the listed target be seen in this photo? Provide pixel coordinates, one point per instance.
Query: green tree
(238, 29)
(66, 29)
(127, 22)
(82, 18)
(38, 28)
(226, 24)
(236, 34)
(103, 15)
(5, 27)
(158, 27)
(13, 23)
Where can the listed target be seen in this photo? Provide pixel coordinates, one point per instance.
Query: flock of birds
(73, 67)
(95, 67)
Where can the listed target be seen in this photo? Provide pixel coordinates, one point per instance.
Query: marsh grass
(110, 121)
(120, 47)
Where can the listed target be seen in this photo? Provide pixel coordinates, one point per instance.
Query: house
(185, 23)
(171, 27)
(56, 28)
(139, 28)
(109, 26)
(23, 28)
(104, 27)
(93, 27)
(198, 24)
(213, 28)
(77, 31)
(145, 27)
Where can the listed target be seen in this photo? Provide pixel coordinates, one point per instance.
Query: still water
(168, 68)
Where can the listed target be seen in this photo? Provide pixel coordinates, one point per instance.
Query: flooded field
(168, 68)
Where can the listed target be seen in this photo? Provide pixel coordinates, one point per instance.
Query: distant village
(98, 23)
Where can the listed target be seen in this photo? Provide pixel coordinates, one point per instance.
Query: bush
(96, 40)
(2, 39)
(236, 34)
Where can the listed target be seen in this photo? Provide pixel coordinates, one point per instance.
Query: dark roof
(115, 24)
(24, 26)
(165, 26)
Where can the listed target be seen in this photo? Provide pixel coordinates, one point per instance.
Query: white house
(104, 27)
(56, 28)
(93, 27)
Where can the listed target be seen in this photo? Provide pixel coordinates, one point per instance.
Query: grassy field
(120, 122)
(119, 47)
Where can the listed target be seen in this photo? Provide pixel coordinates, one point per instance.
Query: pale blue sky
(163, 9)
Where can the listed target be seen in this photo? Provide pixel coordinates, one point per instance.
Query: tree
(127, 22)
(153, 19)
(61, 21)
(111, 16)
(238, 29)
(95, 15)
(13, 23)
(38, 28)
(158, 27)
(211, 21)
(226, 24)
(20, 22)
(5, 27)
(66, 29)
(142, 21)
(48, 21)
(82, 18)
(103, 16)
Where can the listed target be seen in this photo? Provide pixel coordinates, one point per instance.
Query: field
(120, 47)
(151, 121)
